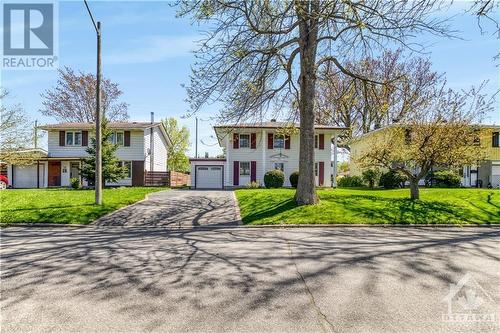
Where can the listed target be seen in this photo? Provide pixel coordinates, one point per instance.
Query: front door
(54, 173)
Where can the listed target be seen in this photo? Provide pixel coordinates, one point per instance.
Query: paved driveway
(101, 279)
(177, 208)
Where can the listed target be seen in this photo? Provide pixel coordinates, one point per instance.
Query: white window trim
(114, 140)
(73, 136)
(122, 163)
(249, 139)
(274, 141)
(249, 168)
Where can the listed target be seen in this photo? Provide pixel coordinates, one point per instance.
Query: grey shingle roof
(114, 125)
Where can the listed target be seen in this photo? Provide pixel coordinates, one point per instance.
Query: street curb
(237, 209)
(249, 227)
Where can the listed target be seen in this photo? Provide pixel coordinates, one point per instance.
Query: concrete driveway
(178, 208)
(117, 279)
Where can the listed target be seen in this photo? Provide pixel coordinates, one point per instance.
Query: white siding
(265, 158)
(133, 153)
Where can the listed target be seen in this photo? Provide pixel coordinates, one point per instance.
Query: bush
(443, 178)
(350, 181)
(392, 179)
(274, 179)
(253, 185)
(371, 176)
(294, 179)
(75, 183)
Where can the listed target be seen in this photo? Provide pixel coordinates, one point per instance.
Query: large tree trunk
(308, 30)
(414, 191)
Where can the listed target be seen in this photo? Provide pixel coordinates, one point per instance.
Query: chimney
(152, 117)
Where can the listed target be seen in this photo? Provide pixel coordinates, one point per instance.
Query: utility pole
(36, 134)
(98, 129)
(196, 140)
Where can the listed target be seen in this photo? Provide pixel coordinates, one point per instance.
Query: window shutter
(495, 141)
(236, 173)
(253, 141)
(253, 171)
(316, 141)
(126, 138)
(321, 175)
(321, 141)
(236, 141)
(62, 138)
(270, 140)
(287, 141)
(85, 138)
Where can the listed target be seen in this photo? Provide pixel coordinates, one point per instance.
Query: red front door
(54, 173)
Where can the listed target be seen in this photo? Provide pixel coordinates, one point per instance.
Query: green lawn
(64, 205)
(276, 206)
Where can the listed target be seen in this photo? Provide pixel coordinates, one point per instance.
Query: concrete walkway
(176, 209)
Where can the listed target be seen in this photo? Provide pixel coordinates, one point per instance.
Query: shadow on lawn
(374, 209)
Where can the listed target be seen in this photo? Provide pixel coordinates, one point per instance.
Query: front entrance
(54, 173)
(74, 170)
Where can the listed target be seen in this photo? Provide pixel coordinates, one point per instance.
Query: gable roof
(113, 125)
(273, 124)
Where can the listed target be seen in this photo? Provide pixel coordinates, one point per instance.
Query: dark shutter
(316, 141)
(495, 141)
(236, 173)
(321, 141)
(236, 141)
(270, 140)
(253, 141)
(62, 138)
(321, 173)
(126, 138)
(85, 138)
(253, 171)
(287, 141)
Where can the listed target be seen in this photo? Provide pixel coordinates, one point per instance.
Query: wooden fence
(169, 178)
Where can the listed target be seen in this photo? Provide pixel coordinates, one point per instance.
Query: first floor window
(73, 138)
(244, 168)
(244, 141)
(128, 166)
(279, 166)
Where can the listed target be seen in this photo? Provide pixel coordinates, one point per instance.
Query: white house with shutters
(253, 149)
(142, 147)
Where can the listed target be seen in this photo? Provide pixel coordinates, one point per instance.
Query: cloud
(152, 49)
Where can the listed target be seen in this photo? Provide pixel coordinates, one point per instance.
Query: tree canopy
(177, 151)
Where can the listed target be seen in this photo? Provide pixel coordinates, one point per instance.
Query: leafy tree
(264, 55)
(371, 176)
(441, 134)
(16, 133)
(111, 170)
(177, 151)
(73, 99)
(343, 167)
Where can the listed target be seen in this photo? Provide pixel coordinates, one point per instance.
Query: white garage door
(25, 176)
(209, 176)
(495, 176)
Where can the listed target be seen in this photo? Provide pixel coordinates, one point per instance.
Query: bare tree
(263, 55)
(486, 12)
(16, 133)
(439, 134)
(363, 106)
(73, 98)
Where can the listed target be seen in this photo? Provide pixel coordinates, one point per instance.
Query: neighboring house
(142, 147)
(253, 149)
(486, 172)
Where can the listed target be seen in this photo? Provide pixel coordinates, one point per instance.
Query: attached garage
(24, 176)
(495, 175)
(207, 173)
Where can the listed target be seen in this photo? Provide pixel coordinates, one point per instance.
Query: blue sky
(147, 50)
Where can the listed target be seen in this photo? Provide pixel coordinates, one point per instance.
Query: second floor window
(279, 141)
(244, 140)
(117, 138)
(73, 138)
(495, 142)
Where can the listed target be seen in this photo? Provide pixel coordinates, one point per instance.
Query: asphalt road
(114, 279)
